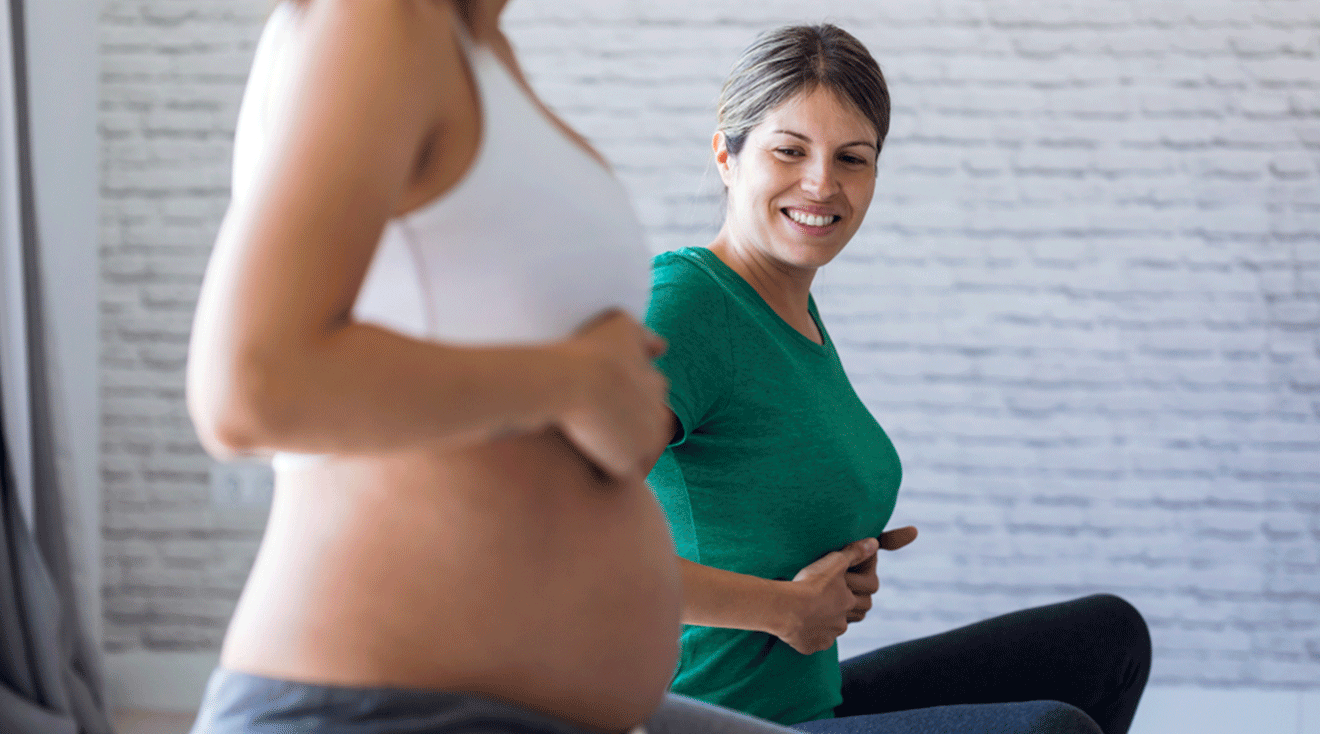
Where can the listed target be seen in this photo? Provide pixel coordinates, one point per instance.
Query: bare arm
(276, 362)
(809, 612)
(713, 597)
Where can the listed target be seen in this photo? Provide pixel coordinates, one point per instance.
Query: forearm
(713, 597)
(361, 388)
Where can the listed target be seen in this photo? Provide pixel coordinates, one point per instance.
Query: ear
(723, 160)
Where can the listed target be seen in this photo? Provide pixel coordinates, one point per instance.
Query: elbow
(225, 435)
(236, 407)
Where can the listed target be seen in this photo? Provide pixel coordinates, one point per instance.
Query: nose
(818, 179)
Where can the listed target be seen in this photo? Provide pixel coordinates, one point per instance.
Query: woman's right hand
(823, 599)
(619, 416)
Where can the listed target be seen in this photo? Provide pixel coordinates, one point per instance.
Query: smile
(811, 220)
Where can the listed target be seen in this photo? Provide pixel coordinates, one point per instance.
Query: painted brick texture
(172, 75)
(1085, 304)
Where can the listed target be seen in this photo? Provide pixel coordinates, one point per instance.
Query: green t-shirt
(776, 463)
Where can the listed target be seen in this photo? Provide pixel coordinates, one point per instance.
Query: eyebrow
(804, 138)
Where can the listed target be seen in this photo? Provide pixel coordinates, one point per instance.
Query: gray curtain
(49, 677)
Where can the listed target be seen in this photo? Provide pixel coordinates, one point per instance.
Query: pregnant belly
(510, 570)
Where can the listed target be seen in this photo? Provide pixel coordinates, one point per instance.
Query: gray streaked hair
(795, 59)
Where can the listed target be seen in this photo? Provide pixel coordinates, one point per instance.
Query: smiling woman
(779, 483)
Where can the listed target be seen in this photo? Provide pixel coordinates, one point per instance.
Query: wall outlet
(242, 484)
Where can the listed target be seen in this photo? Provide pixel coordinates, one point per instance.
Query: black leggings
(1092, 653)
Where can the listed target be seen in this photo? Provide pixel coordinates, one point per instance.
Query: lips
(817, 222)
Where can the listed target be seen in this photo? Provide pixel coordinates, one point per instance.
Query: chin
(811, 258)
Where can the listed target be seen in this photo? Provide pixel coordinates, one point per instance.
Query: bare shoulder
(368, 84)
(401, 52)
(363, 85)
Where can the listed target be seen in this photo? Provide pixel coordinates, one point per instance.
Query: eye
(789, 152)
(853, 160)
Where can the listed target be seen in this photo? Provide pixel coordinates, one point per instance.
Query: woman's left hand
(862, 579)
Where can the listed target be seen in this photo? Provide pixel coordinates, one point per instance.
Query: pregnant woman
(424, 303)
(777, 480)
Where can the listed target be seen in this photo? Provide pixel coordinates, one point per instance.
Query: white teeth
(811, 220)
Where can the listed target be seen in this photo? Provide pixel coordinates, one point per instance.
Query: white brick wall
(1086, 303)
(172, 76)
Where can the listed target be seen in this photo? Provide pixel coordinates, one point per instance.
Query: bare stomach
(509, 570)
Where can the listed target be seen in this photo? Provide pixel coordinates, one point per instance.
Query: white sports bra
(532, 242)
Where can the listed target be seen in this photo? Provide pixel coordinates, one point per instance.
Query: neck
(785, 288)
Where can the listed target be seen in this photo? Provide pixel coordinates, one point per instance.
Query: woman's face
(801, 185)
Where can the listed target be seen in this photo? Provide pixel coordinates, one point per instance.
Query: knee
(1125, 623)
(1056, 717)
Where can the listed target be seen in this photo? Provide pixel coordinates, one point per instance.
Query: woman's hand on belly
(808, 612)
(823, 602)
(618, 417)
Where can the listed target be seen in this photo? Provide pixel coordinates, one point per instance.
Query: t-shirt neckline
(713, 261)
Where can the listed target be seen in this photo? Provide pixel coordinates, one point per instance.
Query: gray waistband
(238, 702)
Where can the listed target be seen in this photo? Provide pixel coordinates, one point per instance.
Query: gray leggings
(239, 703)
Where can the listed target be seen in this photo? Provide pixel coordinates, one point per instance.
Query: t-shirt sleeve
(690, 310)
